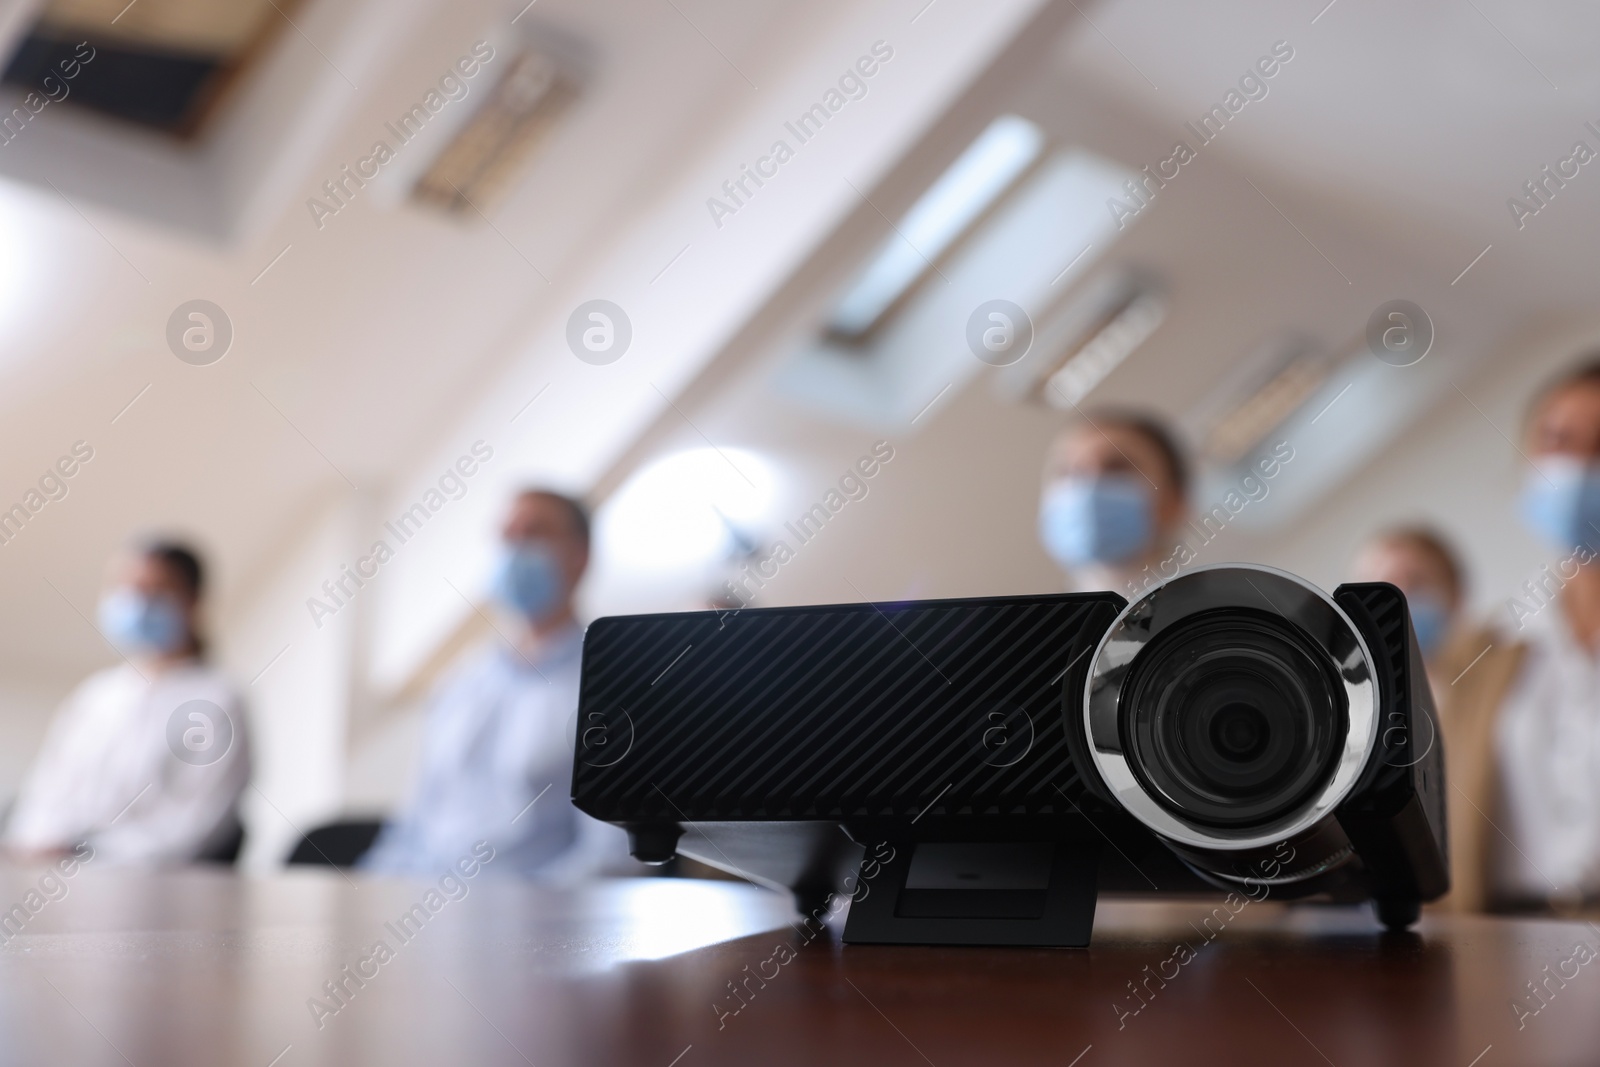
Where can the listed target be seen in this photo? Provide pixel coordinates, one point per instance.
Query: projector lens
(1233, 717)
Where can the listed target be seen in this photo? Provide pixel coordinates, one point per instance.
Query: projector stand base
(970, 893)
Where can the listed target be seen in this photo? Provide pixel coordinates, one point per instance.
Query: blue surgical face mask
(141, 624)
(1430, 620)
(1561, 502)
(1084, 521)
(527, 580)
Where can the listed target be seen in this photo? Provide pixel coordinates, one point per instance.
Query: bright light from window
(686, 510)
(952, 203)
(27, 264)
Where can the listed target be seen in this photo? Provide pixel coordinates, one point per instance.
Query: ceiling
(1421, 118)
(364, 347)
(370, 351)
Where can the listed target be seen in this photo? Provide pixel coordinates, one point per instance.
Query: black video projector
(1009, 758)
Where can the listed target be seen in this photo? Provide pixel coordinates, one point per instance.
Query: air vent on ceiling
(1084, 335)
(1118, 331)
(1270, 385)
(476, 167)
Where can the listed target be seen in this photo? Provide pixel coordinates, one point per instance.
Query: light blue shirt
(496, 766)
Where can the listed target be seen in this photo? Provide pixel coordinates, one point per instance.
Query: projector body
(1002, 761)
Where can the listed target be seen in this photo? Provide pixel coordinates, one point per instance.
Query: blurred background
(771, 316)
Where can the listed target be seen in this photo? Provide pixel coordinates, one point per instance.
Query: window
(977, 178)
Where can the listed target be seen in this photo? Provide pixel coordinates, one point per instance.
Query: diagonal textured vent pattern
(1380, 611)
(952, 707)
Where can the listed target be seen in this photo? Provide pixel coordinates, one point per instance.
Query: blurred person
(1524, 723)
(497, 742)
(1115, 495)
(1421, 563)
(144, 762)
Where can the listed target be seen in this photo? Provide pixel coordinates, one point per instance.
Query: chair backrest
(224, 851)
(335, 844)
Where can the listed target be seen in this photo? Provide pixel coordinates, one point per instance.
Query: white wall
(299, 706)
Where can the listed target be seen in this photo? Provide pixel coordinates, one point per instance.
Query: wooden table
(210, 968)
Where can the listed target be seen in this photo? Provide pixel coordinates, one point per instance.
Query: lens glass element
(1233, 717)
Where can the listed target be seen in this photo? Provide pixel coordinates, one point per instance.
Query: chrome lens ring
(1208, 589)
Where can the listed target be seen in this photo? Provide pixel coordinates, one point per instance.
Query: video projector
(1008, 758)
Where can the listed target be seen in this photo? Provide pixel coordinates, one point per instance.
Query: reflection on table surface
(209, 968)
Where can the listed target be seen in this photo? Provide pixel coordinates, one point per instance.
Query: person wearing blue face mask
(1115, 490)
(1423, 566)
(496, 760)
(1522, 727)
(146, 761)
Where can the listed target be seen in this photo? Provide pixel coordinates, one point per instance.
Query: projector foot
(1397, 913)
(653, 843)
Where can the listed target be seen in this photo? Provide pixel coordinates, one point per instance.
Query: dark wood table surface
(211, 968)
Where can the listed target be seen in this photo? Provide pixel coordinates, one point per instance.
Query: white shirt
(110, 770)
(496, 766)
(1548, 746)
